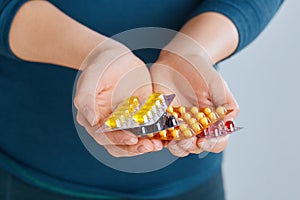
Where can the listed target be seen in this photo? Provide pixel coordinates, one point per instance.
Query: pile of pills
(193, 121)
(130, 113)
(156, 119)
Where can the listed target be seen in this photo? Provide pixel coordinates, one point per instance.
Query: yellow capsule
(170, 109)
(204, 121)
(163, 133)
(155, 95)
(207, 110)
(221, 110)
(196, 127)
(192, 121)
(175, 114)
(140, 118)
(188, 133)
(119, 116)
(183, 127)
(146, 112)
(133, 101)
(131, 108)
(124, 111)
(199, 115)
(181, 109)
(213, 116)
(194, 110)
(112, 122)
(175, 133)
(186, 116)
(150, 135)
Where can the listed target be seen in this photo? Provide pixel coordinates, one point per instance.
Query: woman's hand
(185, 69)
(112, 73)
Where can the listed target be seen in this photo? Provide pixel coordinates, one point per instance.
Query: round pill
(163, 133)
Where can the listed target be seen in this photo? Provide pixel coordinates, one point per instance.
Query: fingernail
(205, 146)
(90, 116)
(185, 144)
(157, 145)
(131, 141)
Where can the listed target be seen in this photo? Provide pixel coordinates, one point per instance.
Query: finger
(176, 150)
(231, 104)
(143, 146)
(157, 144)
(190, 145)
(115, 138)
(215, 145)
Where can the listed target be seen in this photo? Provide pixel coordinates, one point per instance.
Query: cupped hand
(185, 69)
(110, 74)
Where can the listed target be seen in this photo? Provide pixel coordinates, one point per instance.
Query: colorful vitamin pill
(170, 109)
(133, 101)
(197, 128)
(175, 114)
(140, 118)
(207, 110)
(213, 116)
(186, 116)
(175, 133)
(199, 115)
(183, 127)
(112, 122)
(188, 133)
(204, 121)
(194, 110)
(192, 120)
(181, 109)
(221, 110)
(229, 125)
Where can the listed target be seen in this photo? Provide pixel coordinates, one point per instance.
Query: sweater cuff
(8, 11)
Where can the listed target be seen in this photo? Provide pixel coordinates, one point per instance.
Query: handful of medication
(156, 119)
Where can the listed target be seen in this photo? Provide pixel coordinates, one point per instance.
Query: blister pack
(155, 118)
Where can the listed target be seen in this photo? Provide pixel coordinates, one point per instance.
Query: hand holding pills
(111, 73)
(185, 69)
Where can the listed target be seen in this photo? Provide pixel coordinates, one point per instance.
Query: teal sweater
(38, 139)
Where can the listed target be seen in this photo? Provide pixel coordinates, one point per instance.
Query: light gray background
(262, 161)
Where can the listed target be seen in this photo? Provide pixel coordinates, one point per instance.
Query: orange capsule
(204, 121)
(199, 115)
(194, 110)
(207, 110)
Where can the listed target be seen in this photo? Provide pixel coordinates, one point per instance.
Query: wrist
(184, 49)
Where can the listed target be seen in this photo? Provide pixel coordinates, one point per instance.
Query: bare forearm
(42, 33)
(215, 33)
